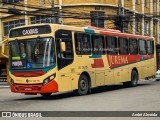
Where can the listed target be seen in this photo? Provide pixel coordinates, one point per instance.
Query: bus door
(64, 58)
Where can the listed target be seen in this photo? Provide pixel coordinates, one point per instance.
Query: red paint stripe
(98, 63)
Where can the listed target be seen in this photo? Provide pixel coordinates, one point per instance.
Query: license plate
(28, 89)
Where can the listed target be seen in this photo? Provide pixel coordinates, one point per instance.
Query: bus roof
(125, 35)
(89, 29)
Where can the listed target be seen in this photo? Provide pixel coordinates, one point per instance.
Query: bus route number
(82, 67)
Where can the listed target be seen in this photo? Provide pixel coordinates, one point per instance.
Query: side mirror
(3, 48)
(63, 46)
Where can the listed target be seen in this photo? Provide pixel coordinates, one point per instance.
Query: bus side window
(142, 47)
(111, 45)
(133, 47)
(82, 41)
(98, 46)
(150, 47)
(123, 45)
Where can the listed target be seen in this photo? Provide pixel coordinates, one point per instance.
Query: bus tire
(83, 85)
(46, 95)
(134, 80)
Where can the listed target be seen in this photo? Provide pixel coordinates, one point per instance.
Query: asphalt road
(144, 97)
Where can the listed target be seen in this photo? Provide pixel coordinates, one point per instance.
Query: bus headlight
(48, 79)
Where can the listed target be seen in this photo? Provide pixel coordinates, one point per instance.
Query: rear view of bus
(32, 60)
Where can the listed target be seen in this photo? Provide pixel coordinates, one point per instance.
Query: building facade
(139, 16)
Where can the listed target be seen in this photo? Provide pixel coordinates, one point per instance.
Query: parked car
(158, 75)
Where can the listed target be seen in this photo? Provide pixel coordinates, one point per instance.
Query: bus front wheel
(83, 85)
(134, 80)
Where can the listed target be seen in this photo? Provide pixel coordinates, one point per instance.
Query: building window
(137, 26)
(12, 24)
(154, 5)
(145, 3)
(154, 29)
(97, 18)
(136, 1)
(42, 1)
(11, 1)
(146, 27)
(41, 19)
(125, 26)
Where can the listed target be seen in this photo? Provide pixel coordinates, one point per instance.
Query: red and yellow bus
(48, 58)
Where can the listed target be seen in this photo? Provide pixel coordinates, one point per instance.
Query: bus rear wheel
(83, 85)
(134, 80)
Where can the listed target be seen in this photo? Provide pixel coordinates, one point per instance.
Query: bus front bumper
(50, 87)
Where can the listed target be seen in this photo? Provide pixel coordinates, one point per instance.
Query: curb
(4, 86)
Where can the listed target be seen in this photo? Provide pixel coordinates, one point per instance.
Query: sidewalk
(4, 85)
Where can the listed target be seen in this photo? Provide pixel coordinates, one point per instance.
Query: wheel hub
(83, 84)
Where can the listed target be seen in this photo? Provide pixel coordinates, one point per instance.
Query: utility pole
(52, 9)
(60, 9)
(0, 28)
(120, 9)
(120, 18)
(26, 17)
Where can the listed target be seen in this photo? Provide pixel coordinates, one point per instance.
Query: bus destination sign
(26, 31)
(30, 31)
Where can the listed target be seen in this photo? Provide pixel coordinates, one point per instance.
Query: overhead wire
(44, 11)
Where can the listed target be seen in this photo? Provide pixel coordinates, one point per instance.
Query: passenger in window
(100, 48)
(84, 47)
(112, 49)
(133, 49)
(95, 46)
(68, 53)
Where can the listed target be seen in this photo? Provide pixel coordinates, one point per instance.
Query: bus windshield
(31, 53)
